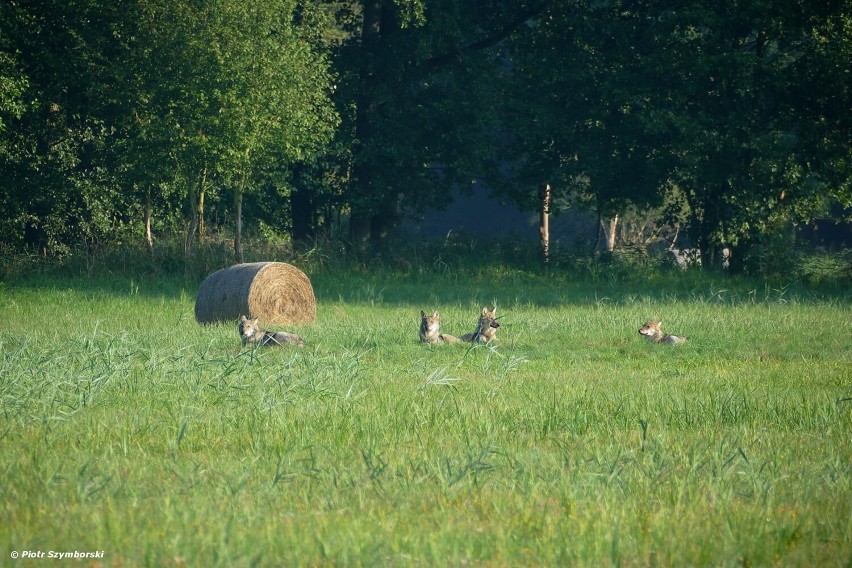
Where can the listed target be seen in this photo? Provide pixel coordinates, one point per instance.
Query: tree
(417, 88)
(59, 191)
(142, 102)
(274, 90)
(743, 111)
(736, 106)
(250, 94)
(574, 104)
(13, 86)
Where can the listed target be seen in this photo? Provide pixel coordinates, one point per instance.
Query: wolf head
(248, 328)
(488, 318)
(488, 323)
(651, 329)
(429, 325)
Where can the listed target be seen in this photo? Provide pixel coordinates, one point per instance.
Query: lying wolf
(430, 329)
(251, 332)
(654, 334)
(486, 329)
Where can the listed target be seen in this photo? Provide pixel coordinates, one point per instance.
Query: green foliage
(612, 103)
(114, 115)
(818, 267)
(128, 428)
(822, 267)
(12, 88)
(419, 104)
(577, 108)
(135, 103)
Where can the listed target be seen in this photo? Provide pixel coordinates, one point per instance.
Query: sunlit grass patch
(127, 427)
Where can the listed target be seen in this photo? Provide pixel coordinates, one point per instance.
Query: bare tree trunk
(238, 226)
(544, 224)
(610, 236)
(598, 228)
(149, 237)
(238, 220)
(673, 242)
(189, 239)
(201, 191)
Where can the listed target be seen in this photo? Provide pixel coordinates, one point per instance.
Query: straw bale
(275, 292)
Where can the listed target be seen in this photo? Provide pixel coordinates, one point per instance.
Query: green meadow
(127, 428)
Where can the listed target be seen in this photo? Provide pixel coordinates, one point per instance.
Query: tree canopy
(119, 119)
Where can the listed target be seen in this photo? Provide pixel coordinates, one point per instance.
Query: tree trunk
(673, 242)
(359, 226)
(598, 229)
(696, 228)
(361, 220)
(734, 260)
(192, 198)
(201, 191)
(709, 252)
(707, 249)
(610, 236)
(384, 220)
(302, 214)
(372, 25)
(544, 224)
(238, 222)
(149, 237)
(302, 208)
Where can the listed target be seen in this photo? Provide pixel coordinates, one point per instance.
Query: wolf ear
(435, 315)
(256, 320)
(242, 318)
(484, 310)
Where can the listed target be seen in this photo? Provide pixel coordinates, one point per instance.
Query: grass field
(127, 428)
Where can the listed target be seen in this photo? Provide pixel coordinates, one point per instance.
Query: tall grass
(804, 268)
(128, 428)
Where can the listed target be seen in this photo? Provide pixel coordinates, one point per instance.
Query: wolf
(430, 329)
(654, 334)
(251, 332)
(486, 329)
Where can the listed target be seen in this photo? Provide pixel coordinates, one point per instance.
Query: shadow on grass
(112, 285)
(556, 288)
(502, 286)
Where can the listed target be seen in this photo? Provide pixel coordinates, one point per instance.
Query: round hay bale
(275, 292)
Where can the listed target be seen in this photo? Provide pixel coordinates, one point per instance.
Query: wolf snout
(495, 324)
